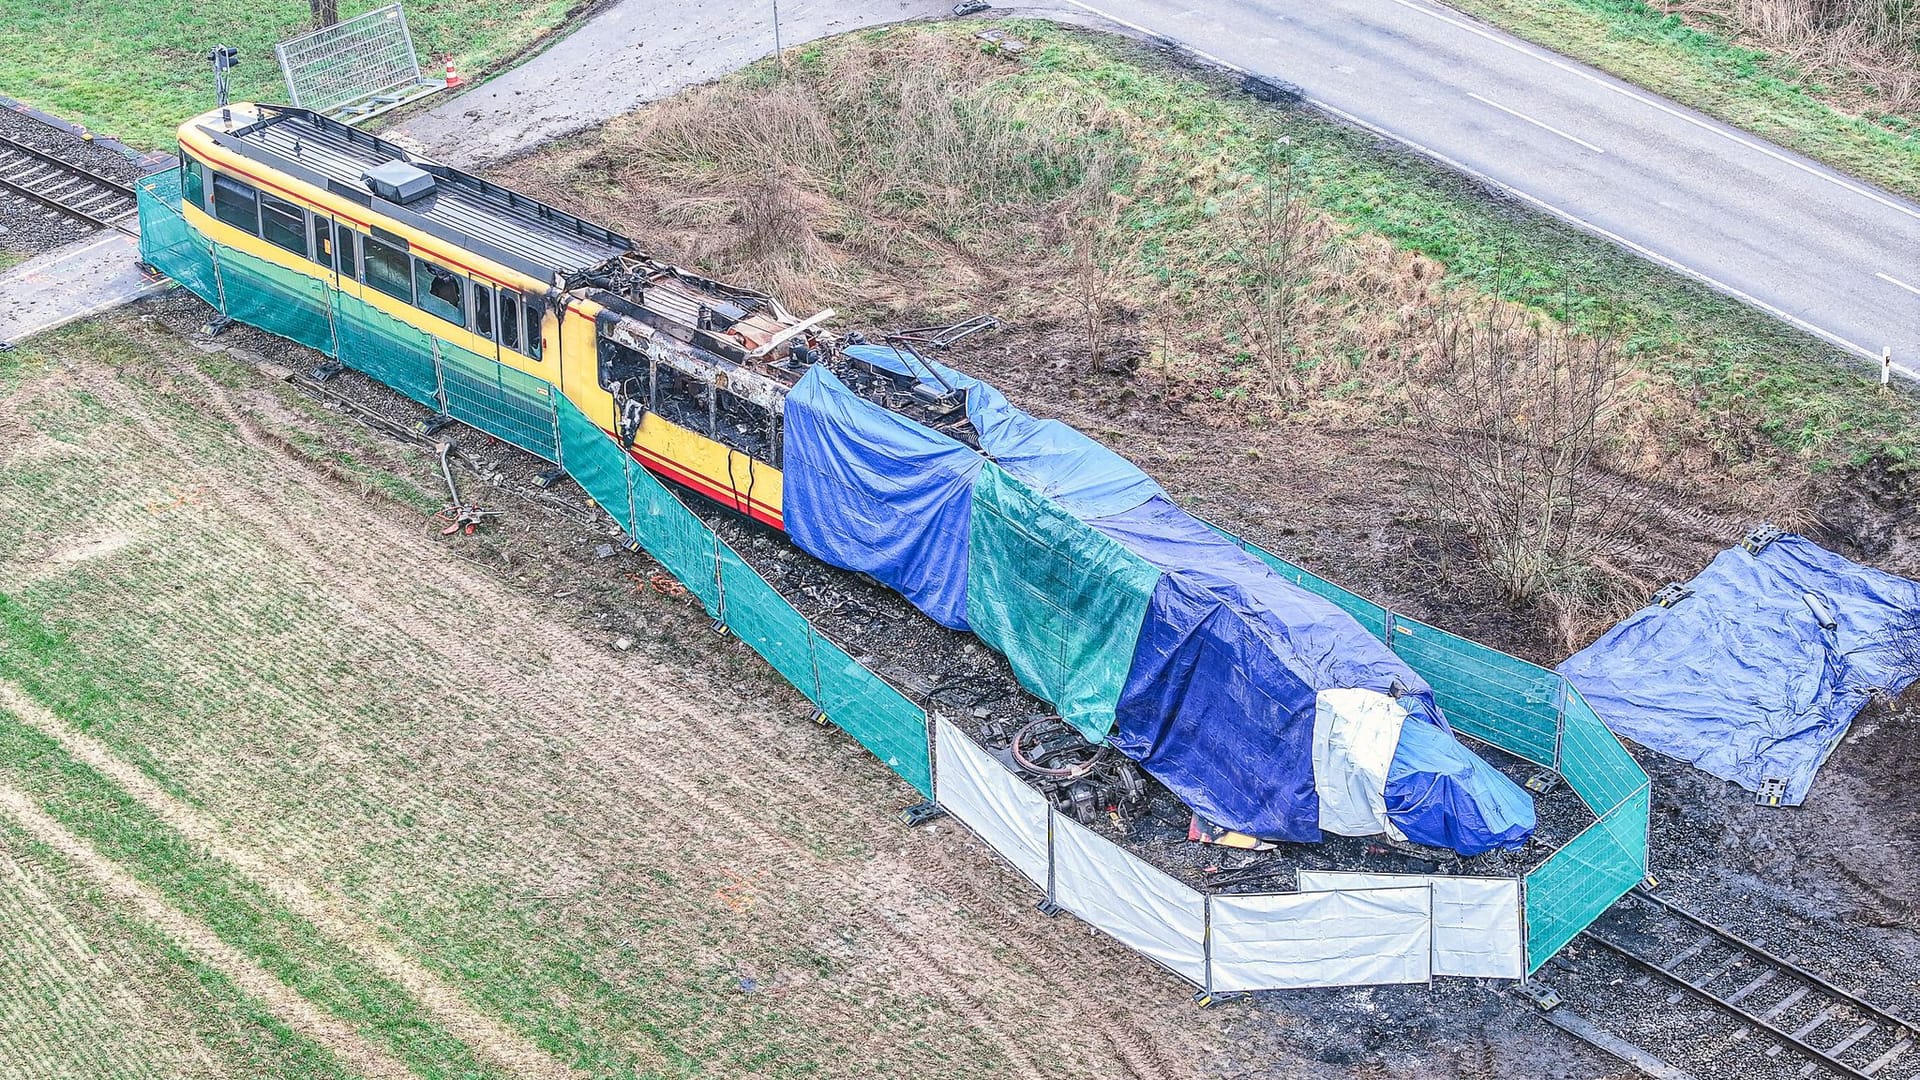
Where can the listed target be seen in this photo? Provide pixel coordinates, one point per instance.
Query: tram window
(483, 310)
(510, 319)
(194, 181)
(349, 260)
(322, 238)
(389, 269)
(283, 225)
(533, 329)
(236, 203)
(439, 291)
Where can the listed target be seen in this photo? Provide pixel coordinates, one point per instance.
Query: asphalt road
(1835, 256)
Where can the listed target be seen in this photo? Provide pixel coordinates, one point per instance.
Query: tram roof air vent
(399, 182)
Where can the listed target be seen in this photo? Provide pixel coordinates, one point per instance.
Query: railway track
(63, 188)
(1812, 1026)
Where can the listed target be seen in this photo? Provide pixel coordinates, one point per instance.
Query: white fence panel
(1359, 937)
(1143, 908)
(1010, 816)
(1476, 921)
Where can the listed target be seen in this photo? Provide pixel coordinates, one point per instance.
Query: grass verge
(1769, 95)
(135, 70)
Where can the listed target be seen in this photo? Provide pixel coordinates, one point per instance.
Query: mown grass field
(134, 71)
(1794, 103)
(289, 788)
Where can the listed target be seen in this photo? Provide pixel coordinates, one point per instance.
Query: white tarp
(1476, 921)
(1355, 733)
(1359, 937)
(1010, 816)
(1143, 908)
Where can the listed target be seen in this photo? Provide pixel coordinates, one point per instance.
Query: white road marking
(1582, 223)
(1134, 26)
(1891, 280)
(1566, 216)
(1715, 127)
(1542, 125)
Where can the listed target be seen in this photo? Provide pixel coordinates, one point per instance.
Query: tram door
(486, 318)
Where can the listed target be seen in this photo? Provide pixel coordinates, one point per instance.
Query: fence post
(1559, 721)
(1526, 956)
(1390, 627)
(1206, 944)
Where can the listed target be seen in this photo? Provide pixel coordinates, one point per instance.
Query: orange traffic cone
(453, 77)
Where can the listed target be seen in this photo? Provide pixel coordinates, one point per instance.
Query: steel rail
(111, 187)
(1900, 1028)
(1826, 987)
(1712, 998)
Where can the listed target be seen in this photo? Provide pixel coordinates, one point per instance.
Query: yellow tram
(688, 373)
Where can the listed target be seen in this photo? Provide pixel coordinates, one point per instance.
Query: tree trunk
(325, 12)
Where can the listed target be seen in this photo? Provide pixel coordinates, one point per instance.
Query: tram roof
(478, 215)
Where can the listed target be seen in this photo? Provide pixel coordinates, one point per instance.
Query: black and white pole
(1886, 365)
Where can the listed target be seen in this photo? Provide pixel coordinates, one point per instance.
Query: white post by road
(1886, 364)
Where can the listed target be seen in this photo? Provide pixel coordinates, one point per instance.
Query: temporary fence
(1336, 930)
(355, 69)
(1536, 715)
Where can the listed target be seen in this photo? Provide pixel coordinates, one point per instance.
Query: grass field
(134, 70)
(1790, 102)
(287, 788)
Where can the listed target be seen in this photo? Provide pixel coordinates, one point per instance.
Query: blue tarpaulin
(1220, 702)
(1741, 678)
(1441, 793)
(869, 490)
(1135, 619)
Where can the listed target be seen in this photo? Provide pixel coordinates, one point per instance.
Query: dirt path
(286, 1004)
(572, 772)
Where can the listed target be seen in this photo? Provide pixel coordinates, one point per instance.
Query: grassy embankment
(1841, 100)
(134, 70)
(915, 173)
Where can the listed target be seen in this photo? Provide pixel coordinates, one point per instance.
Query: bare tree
(1099, 250)
(1527, 413)
(1282, 242)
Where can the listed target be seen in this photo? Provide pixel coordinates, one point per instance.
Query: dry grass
(1869, 49)
(916, 176)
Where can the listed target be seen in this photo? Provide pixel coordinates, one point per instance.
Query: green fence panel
(1584, 878)
(502, 401)
(386, 349)
(861, 704)
(596, 463)
(1062, 602)
(277, 300)
(1485, 693)
(1592, 759)
(762, 618)
(676, 537)
(855, 699)
(168, 244)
